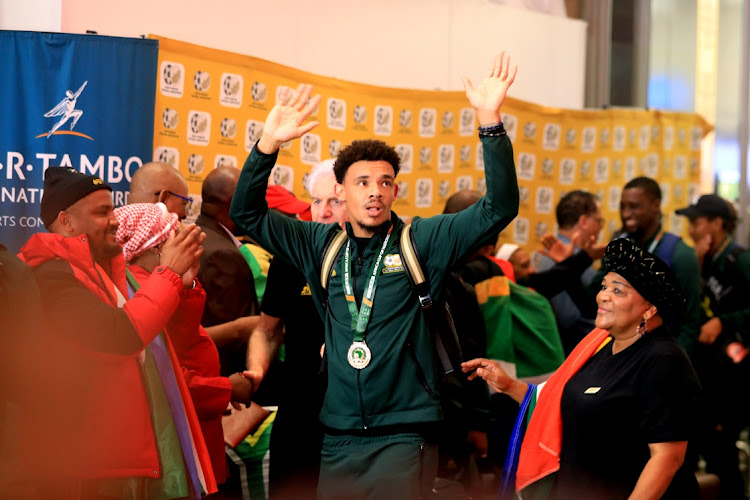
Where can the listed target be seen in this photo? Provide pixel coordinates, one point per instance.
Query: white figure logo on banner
(67, 109)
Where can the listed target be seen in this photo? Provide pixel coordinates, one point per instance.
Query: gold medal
(359, 355)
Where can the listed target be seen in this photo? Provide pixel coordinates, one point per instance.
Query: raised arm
(449, 238)
(274, 232)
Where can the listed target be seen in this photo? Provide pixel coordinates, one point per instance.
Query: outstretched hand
(489, 95)
(495, 376)
(286, 120)
(556, 249)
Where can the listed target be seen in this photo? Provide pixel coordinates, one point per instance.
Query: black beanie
(64, 186)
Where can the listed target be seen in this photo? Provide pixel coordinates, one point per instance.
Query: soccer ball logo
(169, 118)
(601, 167)
(383, 116)
(463, 183)
(467, 117)
(166, 157)
(335, 109)
(548, 166)
(425, 154)
(403, 153)
(225, 161)
(360, 114)
(167, 74)
(465, 152)
(523, 194)
(448, 119)
(529, 130)
(585, 168)
(424, 188)
(427, 118)
(196, 164)
(444, 188)
(309, 144)
(334, 148)
(551, 134)
(254, 130)
(230, 86)
(604, 136)
(446, 155)
(196, 124)
(525, 165)
(201, 81)
(228, 127)
(258, 92)
(404, 118)
(570, 136)
(403, 189)
(541, 229)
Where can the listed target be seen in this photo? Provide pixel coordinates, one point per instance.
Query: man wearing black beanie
(95, 421)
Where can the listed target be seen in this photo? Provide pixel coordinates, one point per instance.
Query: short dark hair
(365, 150)
(728, 223)
(648, 185)
(572, 206)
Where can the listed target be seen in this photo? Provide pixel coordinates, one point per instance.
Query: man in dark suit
(224, 273)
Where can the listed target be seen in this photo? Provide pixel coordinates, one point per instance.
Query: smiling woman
(612, 422)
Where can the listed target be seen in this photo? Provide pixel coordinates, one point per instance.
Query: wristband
(492, 131)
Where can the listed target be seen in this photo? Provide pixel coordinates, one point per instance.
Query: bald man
(158, 182)
(224, 273)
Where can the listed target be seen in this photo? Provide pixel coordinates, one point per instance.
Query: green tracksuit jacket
(399, 385)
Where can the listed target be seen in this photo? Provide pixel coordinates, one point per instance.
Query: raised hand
(556, 249)
(489, 95)
(286, 120)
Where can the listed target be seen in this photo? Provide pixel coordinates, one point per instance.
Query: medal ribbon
(362, 317)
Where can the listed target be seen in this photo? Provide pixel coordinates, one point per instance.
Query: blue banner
(83, 101)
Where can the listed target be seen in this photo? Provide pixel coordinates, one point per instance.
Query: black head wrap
(647, 273)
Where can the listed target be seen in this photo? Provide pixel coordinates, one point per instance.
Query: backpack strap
(329, 257)
(665, 249)
(448, 349)
(413, 266)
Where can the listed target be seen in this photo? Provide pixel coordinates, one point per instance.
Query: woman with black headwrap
(614, 420)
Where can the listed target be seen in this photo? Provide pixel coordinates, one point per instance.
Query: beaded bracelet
(492, 131)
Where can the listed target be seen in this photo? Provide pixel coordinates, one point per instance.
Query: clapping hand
(286, 120)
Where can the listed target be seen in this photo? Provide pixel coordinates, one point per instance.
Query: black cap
(708, 205)
(64, 186)
(648, 274)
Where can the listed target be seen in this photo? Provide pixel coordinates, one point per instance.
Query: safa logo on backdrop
(199, 128)
(172, 79)
(67, 112)
(167, 155)
(231, 90)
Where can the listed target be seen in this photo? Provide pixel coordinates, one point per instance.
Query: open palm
(490, 94)
(286, 121)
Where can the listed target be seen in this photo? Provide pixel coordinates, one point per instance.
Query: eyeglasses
(186, 198)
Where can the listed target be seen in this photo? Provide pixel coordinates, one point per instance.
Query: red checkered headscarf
(143, 226)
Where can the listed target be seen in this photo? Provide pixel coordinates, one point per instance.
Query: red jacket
(92, 418)
(199, 360)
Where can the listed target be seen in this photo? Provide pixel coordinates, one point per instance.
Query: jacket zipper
(420, 373)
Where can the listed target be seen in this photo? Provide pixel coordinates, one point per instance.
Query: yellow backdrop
(210, 108)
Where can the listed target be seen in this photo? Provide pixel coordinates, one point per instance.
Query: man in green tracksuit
(382, 402)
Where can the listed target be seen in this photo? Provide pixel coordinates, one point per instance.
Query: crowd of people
(157, 343)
